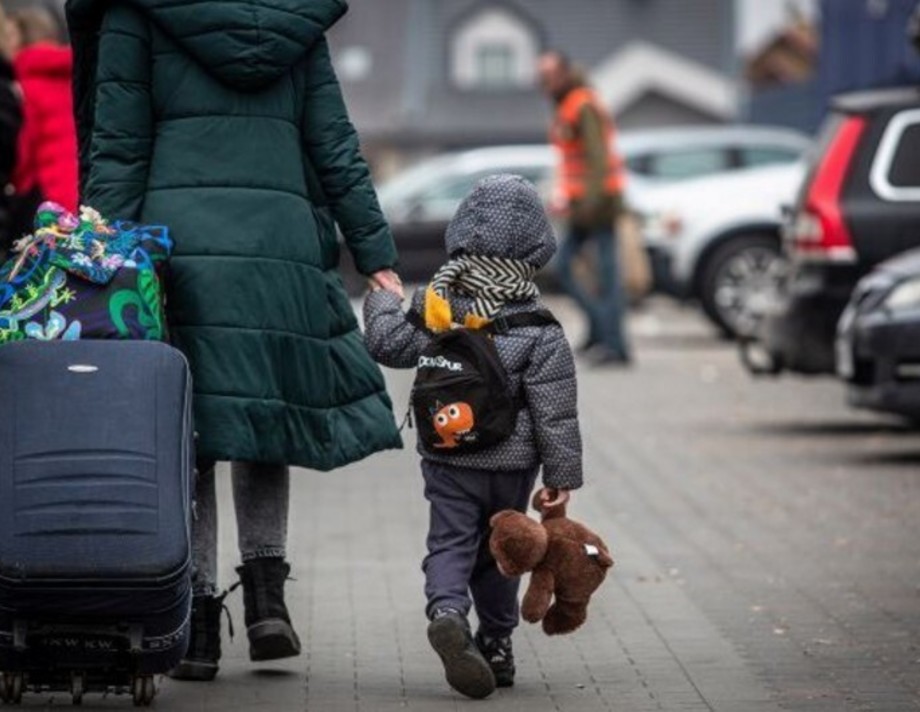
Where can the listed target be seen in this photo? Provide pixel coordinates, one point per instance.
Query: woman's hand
(550, 498)
(388, 280)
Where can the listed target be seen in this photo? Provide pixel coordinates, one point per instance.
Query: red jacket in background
(48, 140)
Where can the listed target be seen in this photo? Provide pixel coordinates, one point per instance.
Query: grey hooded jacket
(502, 217)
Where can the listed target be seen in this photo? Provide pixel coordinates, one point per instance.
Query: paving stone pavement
(766, 545)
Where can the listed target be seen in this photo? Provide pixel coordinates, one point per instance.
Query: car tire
(722, 280)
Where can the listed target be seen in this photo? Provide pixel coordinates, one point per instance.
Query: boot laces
(496, 650)
(225, 610)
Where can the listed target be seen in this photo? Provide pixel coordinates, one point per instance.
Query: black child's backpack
(461, 399)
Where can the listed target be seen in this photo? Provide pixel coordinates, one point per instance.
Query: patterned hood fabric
(502, 217)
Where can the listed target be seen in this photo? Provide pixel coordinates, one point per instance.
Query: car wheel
(739, 280)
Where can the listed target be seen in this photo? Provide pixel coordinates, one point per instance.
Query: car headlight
(905, 296)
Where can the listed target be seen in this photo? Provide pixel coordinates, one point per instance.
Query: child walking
(498, 240)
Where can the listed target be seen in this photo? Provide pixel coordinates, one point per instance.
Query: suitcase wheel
(76, 688)
(143, 689)
(11, 687)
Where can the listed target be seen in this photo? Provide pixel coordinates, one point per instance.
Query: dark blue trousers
(459, 562)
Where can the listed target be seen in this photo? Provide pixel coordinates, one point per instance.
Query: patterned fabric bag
(77, 277)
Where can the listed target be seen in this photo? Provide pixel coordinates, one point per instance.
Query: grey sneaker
(467, 671)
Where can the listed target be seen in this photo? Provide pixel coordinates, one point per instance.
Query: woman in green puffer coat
(224, 120)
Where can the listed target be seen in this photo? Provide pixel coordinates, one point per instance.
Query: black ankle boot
(500, 656)
(201, 660)
(268, 624)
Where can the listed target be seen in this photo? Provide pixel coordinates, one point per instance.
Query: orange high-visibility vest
(565, 136)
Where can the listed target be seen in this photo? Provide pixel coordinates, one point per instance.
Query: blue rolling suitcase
(96, 477)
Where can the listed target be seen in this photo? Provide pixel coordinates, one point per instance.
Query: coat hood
(246, 44)
(503, 217)
(44, 60)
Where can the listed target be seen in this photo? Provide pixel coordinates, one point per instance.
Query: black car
(859, 205)
(878, 339)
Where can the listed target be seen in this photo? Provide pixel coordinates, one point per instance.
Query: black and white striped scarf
(490, 281)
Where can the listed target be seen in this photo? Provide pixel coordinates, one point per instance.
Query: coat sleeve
(552, 398)
(390, 338)
(333, 152)
(122, 133)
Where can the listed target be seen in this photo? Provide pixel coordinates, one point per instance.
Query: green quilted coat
(223, 119)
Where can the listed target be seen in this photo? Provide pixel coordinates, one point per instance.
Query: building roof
(679, 53)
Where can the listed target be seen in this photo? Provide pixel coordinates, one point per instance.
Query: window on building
(494, 49)
(495, 65)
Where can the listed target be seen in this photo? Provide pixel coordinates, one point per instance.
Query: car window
(442, 198)
(690, 163)
(454, 188)
(751, 156)
(905, 166)
(894, 175)
(638, 164)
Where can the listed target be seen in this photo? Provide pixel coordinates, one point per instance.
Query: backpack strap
(501, 325)
(521, 320)
(416, 319)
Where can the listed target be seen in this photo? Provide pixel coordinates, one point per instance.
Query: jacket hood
(246, 44)
(502, 217)
(44, 60)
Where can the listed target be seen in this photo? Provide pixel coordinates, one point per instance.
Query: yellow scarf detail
(438, 315)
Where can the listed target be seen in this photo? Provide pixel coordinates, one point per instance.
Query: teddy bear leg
(538, 597)
(564, 617)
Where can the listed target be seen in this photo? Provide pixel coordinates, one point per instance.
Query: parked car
(878, 339)
(420, 201)
(859, 205)
(719, 237)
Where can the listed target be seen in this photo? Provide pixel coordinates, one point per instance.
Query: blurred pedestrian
(590, 193)
(496, 243)
(225, 121)
(10, 125)
(47, 165)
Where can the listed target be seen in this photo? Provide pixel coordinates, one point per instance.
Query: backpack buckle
(500, 325)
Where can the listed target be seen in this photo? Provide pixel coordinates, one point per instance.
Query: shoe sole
(194, 671)
(465, 668)
(272, 639)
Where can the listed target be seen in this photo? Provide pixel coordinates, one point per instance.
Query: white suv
(420, 201)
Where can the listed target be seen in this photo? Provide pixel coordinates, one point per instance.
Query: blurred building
(861, 44)
(428, 75)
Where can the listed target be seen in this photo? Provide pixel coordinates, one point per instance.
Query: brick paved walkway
(766, 541)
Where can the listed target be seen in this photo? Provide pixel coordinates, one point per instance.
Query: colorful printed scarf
(79, 277)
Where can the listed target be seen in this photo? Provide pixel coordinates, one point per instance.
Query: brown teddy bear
(568, 562)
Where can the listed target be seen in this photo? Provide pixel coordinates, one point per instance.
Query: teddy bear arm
(539, 595)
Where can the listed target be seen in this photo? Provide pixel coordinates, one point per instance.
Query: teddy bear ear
(504, 514)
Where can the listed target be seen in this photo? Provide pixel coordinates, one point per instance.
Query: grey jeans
(260, 498)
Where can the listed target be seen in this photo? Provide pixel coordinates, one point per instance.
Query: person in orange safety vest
(589, 191)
